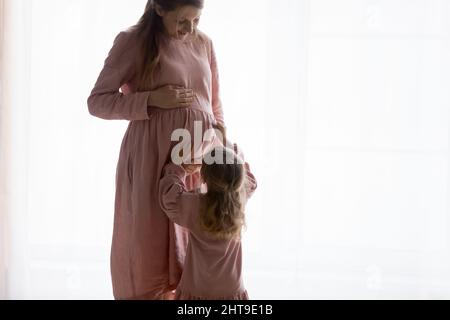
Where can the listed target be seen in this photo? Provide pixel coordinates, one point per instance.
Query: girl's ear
(159, 10)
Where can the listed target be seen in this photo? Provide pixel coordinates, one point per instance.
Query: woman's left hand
(171, 96)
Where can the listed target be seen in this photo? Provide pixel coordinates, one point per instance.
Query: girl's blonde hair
(222, 208)
(149, 30)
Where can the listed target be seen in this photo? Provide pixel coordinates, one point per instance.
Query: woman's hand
(221, 133)
(170, 96)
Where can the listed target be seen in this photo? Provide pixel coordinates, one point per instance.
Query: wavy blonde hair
(222, 208)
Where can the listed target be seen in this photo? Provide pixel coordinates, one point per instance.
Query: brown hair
(149, 29)
(222, 209)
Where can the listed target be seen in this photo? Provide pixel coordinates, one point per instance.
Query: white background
(342, 108)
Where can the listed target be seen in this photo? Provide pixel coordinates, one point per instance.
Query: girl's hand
(192, 168)
(170, 96)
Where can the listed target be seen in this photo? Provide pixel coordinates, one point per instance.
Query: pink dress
(213, 268)
(148, 250)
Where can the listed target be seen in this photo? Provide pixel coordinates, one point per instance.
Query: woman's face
(181, 22)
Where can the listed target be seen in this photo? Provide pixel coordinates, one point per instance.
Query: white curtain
(3, 236)
(61, 160)
(342, 108)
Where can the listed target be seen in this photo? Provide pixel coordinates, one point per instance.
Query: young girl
(213, 262)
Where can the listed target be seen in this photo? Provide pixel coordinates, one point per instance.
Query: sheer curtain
(2, 166)
(61, 160)
(342, 108)
(375, 204)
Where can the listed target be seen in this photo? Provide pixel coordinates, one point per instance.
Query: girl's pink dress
(213, 268)
(148, 250)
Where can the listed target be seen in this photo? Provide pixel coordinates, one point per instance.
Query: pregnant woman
(161, 75)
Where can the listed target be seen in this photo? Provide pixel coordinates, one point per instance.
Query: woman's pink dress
(148, 250)
(213, 268)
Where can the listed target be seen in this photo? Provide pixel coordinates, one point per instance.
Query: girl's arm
(106, 101)
(175, 201)
(250, 183)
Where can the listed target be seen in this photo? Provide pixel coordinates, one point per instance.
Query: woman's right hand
(170, 96)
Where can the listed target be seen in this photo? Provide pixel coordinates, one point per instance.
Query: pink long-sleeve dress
(148, 250)
(213, 268)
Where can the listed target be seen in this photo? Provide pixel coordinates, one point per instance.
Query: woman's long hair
(149, 29)
(222, 208)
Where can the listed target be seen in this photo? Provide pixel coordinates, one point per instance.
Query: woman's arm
(106, 101)
(175, 201)
(216, 101)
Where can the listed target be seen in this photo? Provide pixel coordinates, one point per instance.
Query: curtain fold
(15, 116)
(3, 181)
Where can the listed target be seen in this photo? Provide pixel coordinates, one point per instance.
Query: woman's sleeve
(175, 201)
(216, 101)
(106, 101)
